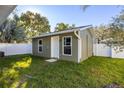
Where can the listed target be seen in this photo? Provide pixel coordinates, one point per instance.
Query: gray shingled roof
(64, 31)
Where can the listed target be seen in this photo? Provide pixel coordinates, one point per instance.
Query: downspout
(79, 45)
(75, 32)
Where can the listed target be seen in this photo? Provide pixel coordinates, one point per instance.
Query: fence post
(111, 51)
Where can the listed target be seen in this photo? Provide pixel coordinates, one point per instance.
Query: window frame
(66, 45)
(40, 45)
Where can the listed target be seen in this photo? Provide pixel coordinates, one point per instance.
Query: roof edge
(64, 31)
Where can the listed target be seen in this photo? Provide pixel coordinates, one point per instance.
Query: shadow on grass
(31, 71)
(11, 71)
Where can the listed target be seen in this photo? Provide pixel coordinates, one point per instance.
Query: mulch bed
(113, 85)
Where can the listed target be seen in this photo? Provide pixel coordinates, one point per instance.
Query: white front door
(55, 47)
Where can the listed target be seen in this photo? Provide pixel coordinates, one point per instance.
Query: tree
(101, 33)
(113, 33)
(84, 7)
(11, 30)
(34, 24)
(63, 26)
(117, 31)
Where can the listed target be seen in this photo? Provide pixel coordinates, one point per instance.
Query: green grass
(94, 72)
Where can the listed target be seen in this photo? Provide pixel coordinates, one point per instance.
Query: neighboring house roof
(5, 10)
(64, 31)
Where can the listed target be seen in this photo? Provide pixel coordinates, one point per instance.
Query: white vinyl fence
(13, 49)
(99, 50)
(104, 50)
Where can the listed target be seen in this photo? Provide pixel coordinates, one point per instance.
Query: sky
(73, 14)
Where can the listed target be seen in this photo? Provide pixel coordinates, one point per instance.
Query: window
(67, 45)
(40, 45)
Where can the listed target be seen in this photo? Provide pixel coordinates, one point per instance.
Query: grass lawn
(32, 71)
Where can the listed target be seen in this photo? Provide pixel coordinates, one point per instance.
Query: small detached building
(72, 45)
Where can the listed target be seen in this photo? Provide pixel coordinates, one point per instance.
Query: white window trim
(40, 45)
(63, 46)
